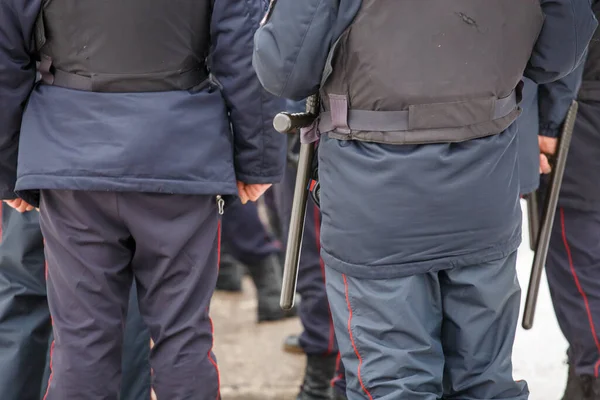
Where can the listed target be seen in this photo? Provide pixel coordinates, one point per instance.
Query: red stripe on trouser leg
(212, 328)
(579, 288)
(52, 345)
(51, 373)
(338, 376)
(362, 385)
(322, 264)
(212, 361)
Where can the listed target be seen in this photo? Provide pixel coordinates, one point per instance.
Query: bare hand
(20, 205)
(547, 147)
(251, 192)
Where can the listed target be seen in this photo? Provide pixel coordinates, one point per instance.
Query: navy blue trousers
(573, 271)
(97, 244)
(244, 236)
(318, 337)
(25, 323)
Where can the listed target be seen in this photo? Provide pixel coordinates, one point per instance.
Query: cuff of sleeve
(550, 130)
(253, 179)
(8, 194)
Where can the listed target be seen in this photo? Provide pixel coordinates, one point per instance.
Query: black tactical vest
(124, 45)
(590, 85)
(429, 71)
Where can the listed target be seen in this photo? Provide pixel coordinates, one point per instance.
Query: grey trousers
(97, 244)
(442, 335)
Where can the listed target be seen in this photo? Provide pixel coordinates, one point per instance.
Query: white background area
(539, 354)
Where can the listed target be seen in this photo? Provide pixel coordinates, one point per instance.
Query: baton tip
(286, 305)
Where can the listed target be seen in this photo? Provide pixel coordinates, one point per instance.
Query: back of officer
(419, 176)
(127, 144)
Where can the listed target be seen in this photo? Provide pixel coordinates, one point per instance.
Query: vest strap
(44, 70)
(339, 113)
(115, 83)
(417, 117)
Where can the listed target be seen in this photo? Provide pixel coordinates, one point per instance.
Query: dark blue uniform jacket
(171, 142)
(391, 211)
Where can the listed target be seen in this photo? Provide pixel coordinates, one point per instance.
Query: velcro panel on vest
(450, 115)
(339, 112)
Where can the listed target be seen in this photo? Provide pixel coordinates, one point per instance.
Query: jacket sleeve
(291, 48)
(554, 100)
(259, 153)
(568, 28)
(17, 77)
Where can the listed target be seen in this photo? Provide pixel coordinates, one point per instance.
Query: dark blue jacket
(527, 134)
(392, 211)
(171, 142)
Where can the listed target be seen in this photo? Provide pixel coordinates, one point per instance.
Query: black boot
(267, 277)
(317, 378)
(575, 386)
(230, 274)
(338, 395)
(291, 344)
(591, 388)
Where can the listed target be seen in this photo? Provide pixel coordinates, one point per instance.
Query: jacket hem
(124, 184)
(529, 187)
(550, 130)
(253, 179)
(393, 271)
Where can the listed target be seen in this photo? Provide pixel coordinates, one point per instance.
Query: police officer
(545, 108)
(26, 324)
(572, 267)
(148, 115)
(246, 240)
(419, 176)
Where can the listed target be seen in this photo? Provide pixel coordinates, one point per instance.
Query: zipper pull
(220, 204)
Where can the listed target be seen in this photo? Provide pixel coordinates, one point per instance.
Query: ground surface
(254, 367)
